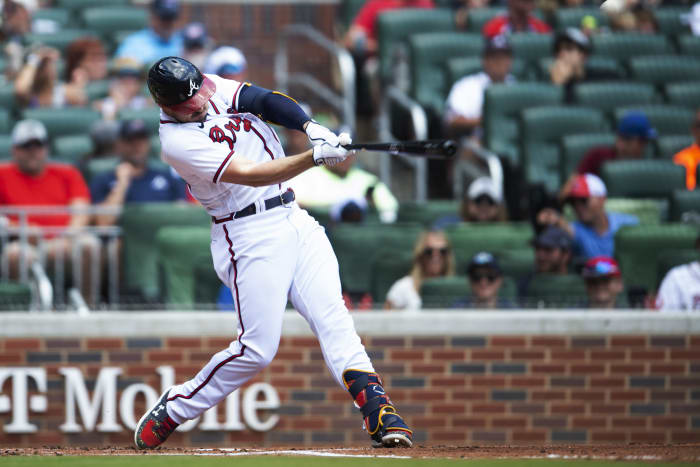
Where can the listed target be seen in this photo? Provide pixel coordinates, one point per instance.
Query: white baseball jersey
(680, 289)
(200, 152)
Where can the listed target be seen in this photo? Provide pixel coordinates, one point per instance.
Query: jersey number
(218, 135)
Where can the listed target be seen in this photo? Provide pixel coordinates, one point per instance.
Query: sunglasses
(581, 201)
(35, 143)
(490, 277)
(594, 281)
(429, 252)
(485, 199)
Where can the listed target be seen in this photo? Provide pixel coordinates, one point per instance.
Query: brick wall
(457, 389)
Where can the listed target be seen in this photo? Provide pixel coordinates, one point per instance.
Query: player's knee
(264, 356)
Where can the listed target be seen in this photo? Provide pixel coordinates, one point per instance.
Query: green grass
(294, 461)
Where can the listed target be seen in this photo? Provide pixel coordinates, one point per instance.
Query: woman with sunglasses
(432, 257)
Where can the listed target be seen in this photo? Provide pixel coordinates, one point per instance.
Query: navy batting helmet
(178, 85)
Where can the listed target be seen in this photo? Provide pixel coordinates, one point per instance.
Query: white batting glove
(319, 134)
(325, 154)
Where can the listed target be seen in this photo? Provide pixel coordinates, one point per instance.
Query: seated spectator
(134, 181)
(37, 84)
(690, 156)
(485, 280)
(603, 282)
(432, 257)
(324, 187)
(161, 39)
(552, 255)
(465, 102)
(31, 180)
(482, 202)
(680, 288)
(636, 17)
(519, 18)
(14, 26)
(594, 230)
(86, 61)
(125, 89)
(197, 44)
(227, 62)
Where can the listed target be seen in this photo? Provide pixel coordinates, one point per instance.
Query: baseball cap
(587, 186)
(484, 186)
(28, 130)
(601, 266)
(635, 124)
(497, 44)
(575, 36)
(133, 129)
(126, 66)
(166, 9)
(225, 60)
(483, 259)
(194, 35)
(553, 237)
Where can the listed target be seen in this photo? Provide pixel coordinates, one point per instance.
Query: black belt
(279, 200)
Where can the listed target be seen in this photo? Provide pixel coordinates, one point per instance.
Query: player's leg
(316, 294)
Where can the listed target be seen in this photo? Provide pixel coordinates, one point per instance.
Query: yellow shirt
(689, 158)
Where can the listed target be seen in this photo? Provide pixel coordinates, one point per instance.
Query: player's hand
(325, 154)
(319, 134)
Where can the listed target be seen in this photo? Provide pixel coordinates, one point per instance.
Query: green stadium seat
(58, 16)
(555, 291)
(428, 212)
(683, 94)
(478, 17)
(666, 119)
(429, 54)
(689, 44)
(642, 178)
(150, 115)
(155, 147)
(648, 211)
(140, 223)
(347, 11)
(15, 296)
(386, 270)
(358, 246)
(96, 90)
(64, 121)
(71, 148)
(639, 249)
(395, 26)
(670, 20)
(59, 39)
(607, 96)
(80, 5)
(531, 46)
(684, 203)
(464, 66)
(574, 147)
(5, 147)
(669, 146)
(597, 64)
(572, 17)
(664, 69)
(446, 292)
(623, 46)
(99, 166)
(467, 239)
(5, 121)
(108, 20)
(517, 262)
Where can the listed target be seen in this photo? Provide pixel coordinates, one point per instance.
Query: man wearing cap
(466, 98)
(519, 18)
(603, 282)
(161, 39)
(680, 289)
(134, 180)
(227, 62)
(594, 230)
(482, 202)
(552, 255)
(31, 180)
(485, 280)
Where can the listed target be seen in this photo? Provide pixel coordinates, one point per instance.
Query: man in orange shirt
(690, 156)
(31, 180)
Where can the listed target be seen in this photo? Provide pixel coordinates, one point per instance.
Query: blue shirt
(588, 243)
(146, 46)
(153, 185)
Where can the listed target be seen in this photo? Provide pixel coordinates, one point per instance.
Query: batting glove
(325, 154)
(319, 134)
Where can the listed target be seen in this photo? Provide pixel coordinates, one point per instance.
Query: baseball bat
(442, 148)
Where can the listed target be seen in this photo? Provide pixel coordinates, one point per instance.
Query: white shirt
(680, 289)
(466, 98)
(201, 152)
(403, 295)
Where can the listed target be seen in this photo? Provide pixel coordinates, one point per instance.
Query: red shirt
(594, 159)
(57, 185)
(367, 16)
(502, 25)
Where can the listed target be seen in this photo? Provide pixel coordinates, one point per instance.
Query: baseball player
(264, 247)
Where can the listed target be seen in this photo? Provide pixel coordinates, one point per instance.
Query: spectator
(86, 61)
(160, 40)
(603, 282)
(227, 62)
(432, 257)
(197, 44)
(482, 202)
(31, 180)
(103, 134)
(519, 18)
(125, 89)
(552, 255)
(690, 156)
(680, 289)
(15, 24)
(485, 279)
(134, 180)
(466, 99)
(594, 230)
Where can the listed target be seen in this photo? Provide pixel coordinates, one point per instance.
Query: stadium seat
(607, 96)
(429, 54)
(428, 212)
(80, 5)
(140, 224)
(150, 115)
(555, 291)
(648, 211)
(664, 69)
(5, 121)
(386, 270)
(683, 94)
(64, 121)
(155, 147)
(689, 44)
(684, 203)
(447, 292)
(531, 46)
(670, 20)
(15, 296)
(639, 248)
(666, 119)
(5, 147)
(572, 17)
(7, 98)
(99, 166)
(602, 65)
(468, 239)
(623, 46)
(347, 11)
(669, 146)
(395, 26)
(517, 262)
(106, 20)
(642, 178)
(478, 17)
(59, 39)
(96, 90)
(464, 66)
(71, 148)
(574, 147)
(60, 17)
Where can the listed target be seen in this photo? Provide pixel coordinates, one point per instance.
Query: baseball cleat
(392, 430)
(155, 426)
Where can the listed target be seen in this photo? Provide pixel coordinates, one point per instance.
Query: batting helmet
(178, 85)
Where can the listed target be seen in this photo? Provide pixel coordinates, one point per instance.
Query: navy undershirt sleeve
(272, 106)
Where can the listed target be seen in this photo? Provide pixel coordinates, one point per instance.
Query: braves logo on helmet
(193, 87)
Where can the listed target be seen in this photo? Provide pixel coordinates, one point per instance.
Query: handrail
(343, 103)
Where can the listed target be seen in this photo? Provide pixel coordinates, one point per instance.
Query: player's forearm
(243, 172)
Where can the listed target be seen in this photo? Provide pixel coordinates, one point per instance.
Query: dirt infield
(647, 452)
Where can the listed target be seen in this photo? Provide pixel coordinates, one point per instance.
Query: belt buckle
(285, 205)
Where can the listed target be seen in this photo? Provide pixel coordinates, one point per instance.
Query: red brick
(547, 395)
(628, 396)
(548, 341)
(568, 354)
(287, 382)
(449, 409)
(290, 354)
(277, 368)
(661, 395)
(627, 368)
(403, 354)
(469, 395)
(448, 381)
(526, 408)
(420, 369)
(680, 354)
(449, 436)
(201, 357)
(104, 344)
(448, 355)
(648, 437)
(140, 370)
(586, 368)
(306, 342)
(11, 358)
(430, 422)
(219, 342)
(187, 371)
(608, 437)
(490, 381)
(510, 422)
(527, 381)
(588, 396)
(685, 436)
(526, 354)
(628, 422)
(607, 382)
(589, 422)
(647, 354)
(477, 354)
(694, 341)
(607, 355)
(667, 368)
(567, 409)
(429, 342)
(388, 342)
(319, 423)
(183, 342)
(607, 409)
(529, 436)
(507, 341)
(22, 344)
(683, 381)
(469, 422)
(423, 395)
(489, 408)
(165, 356)
(548, 368)
(628, 341)
(669, 422)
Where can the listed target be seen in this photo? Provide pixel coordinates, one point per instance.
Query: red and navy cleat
(155, 426)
